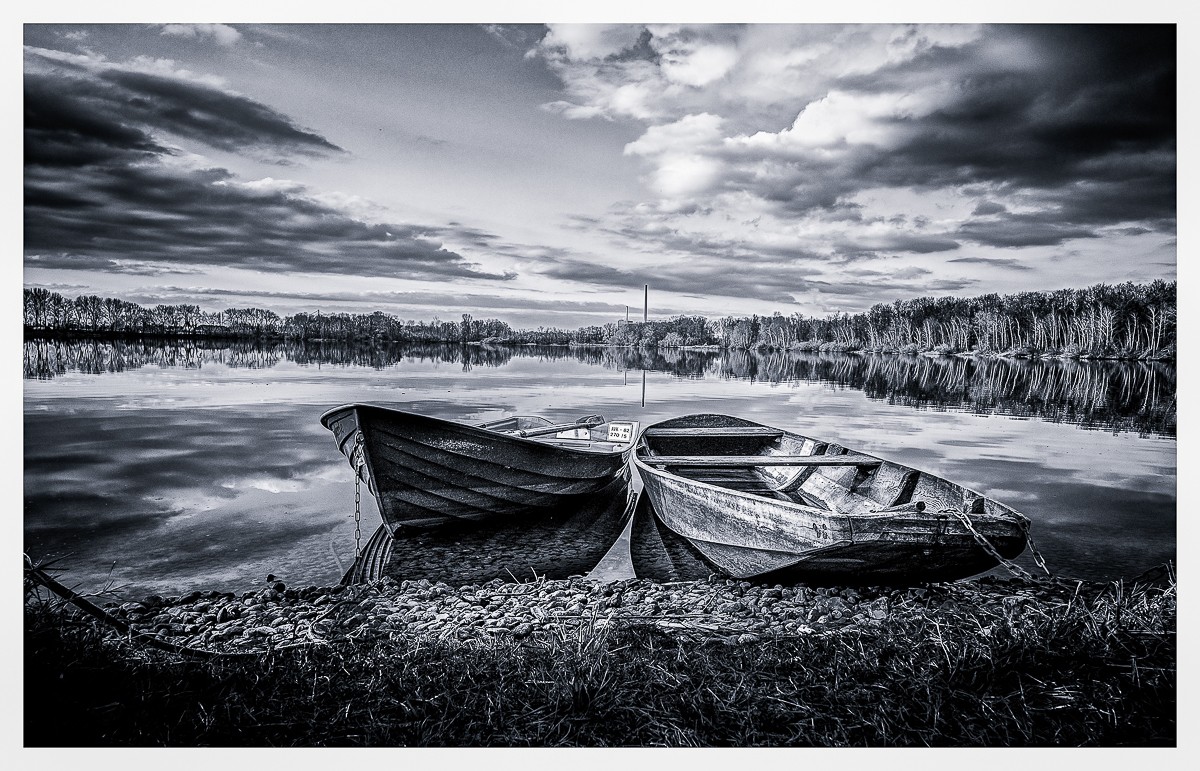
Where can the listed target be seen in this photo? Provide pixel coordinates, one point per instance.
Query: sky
(543, 175)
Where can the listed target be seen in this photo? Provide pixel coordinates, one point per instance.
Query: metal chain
(1033, 549)
(1012, 567)
(356, 460)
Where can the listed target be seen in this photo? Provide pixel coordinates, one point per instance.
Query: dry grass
(965, 665)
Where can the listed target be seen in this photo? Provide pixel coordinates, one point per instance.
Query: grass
(950, 667)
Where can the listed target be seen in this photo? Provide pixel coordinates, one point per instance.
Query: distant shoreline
(275, 339)
(1121, 322)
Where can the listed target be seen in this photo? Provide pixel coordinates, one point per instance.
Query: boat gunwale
(618, 448)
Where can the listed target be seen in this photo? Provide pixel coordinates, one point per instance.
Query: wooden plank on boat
(729, 432)
(735, 461)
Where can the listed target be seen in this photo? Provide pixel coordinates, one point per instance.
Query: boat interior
(591, 433)
(777, 464)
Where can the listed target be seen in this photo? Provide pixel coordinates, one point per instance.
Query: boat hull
(831, 523)
(427, 472)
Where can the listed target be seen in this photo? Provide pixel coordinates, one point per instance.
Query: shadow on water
(559, 544)
(1136, 396)
(660, 554)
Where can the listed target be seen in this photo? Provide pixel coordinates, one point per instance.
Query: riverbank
(984, 663)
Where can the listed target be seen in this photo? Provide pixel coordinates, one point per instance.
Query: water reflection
(192, 466)
(1108, 395)
(1112, 396)
(660, 554)
(559, 545)
(163, 498)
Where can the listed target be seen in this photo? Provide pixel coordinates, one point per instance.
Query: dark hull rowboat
(427, 472)
(759, 502)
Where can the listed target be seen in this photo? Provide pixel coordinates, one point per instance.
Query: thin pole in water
(646, 305)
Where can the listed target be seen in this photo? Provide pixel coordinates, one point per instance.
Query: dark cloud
(476, 303)
(216, 118)
(984, 208)
(898, 241)
(778, 285)
(102, 193)
(133, 101)
(63, 130)
(1088, 117)
(999, 262)
(1019, 230)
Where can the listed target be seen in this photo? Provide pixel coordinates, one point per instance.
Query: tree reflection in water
(1137, 396)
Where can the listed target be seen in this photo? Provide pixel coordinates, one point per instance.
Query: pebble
(738, 612)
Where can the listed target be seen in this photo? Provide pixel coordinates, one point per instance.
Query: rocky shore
(714, 662)
(730, 611)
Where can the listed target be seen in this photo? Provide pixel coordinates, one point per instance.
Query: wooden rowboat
(759, 502)
(426, 472)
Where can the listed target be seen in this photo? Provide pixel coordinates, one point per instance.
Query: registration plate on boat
(620, 432)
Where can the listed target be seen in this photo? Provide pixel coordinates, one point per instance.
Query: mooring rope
(39, 576)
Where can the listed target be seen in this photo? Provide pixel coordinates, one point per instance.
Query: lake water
(165, 468)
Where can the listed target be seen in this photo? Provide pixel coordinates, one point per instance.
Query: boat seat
(836, 494)
(747, 461)
(890, 484)
(729, 432)
(787, 480)
(938, 494)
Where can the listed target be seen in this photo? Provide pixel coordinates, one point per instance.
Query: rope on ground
(39, 576)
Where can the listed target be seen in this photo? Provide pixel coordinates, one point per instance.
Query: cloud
(119, 218)
(477, 303)
(516, 35)
(1019, 230)
(222, 34)
(762, 138)
(781, 283)
(590, 41)
(156, 99)
(999, 262)
(106, 190)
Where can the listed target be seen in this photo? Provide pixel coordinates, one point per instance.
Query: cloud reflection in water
(212, 475)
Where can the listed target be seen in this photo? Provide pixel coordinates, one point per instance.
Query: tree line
(1107, 321)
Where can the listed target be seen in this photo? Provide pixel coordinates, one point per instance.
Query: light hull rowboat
(426, 472)
(758, 502)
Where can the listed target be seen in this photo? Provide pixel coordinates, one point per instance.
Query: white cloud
(41, 59)
(690, 131)
(698, 65)
(591, 41)
(223, 34)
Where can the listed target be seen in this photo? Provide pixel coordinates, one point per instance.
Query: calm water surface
(166, 468)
